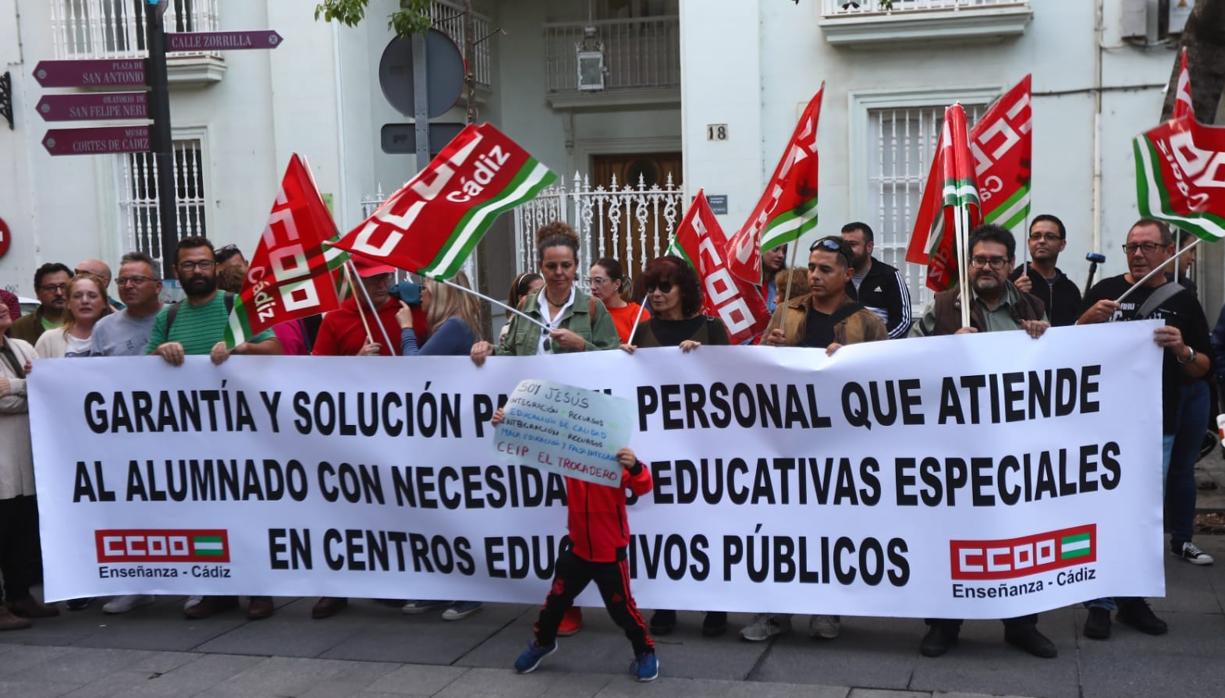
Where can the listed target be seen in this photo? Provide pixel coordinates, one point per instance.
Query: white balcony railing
(447, 17)
(842, 8)
(116, 28)
(638, 53)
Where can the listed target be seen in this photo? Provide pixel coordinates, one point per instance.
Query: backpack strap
(1163, 293)
(171, 313)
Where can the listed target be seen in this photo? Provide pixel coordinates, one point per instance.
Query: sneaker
(1097, 625)
(714, 624)
(940, 638)
(1029, 639)
(766, 626)
(824, 627)
(461, 610)
(123, 604)
(663, 622)
(419, 606)
(1191, 553)
(532, 656)
(645, 667)
(571, 622)
(1137, 614)
(192, 601)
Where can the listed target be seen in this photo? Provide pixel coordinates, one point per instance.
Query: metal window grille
(833, 8)
(116, 28)
(138, 200)
(448, 18)
(901, 144)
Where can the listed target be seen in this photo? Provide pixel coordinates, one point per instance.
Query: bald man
(100, 269)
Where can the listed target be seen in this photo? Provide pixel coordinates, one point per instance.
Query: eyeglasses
(202, 265)
(832, 244)
(134, 280)
(597, 280)
(663, 286)
(53, 288)
(1146, 247)
(993, 262)
(1049, 237)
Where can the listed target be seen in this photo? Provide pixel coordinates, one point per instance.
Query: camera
(408, 292)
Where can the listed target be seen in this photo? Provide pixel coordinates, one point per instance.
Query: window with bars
(116, 28)
(138, 199)
(901, 143)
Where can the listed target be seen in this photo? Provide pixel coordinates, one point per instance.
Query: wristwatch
(1190, 357)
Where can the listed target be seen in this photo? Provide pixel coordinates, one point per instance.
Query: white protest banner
(981, 476)
(566, 430)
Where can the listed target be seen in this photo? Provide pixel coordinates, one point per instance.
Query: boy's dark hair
(991, 232)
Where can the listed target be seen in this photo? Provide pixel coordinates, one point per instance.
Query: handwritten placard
(566, 430)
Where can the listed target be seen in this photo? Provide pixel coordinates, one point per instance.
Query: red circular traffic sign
(6, 237)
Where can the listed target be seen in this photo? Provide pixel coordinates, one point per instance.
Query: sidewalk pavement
(371, 649)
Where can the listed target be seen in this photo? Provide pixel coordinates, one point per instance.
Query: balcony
(116, 29)
(856, 23)
(642, 62)
(447, 16)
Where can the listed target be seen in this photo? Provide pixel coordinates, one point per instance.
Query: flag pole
(638, 318)
(360, 313)
(496, 302)
(959, 227)
(1153, 273)
(790, 270)
(375, 315)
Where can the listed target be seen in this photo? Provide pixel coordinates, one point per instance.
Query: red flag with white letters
(738, 303)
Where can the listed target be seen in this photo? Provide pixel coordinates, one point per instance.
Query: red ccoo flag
(290, 274)
(738, 303)
(788, 207)
(1184, 108)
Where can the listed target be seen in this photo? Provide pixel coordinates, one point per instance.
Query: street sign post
(127, 72)
(222, 41)
(97, 141)
(94, 107)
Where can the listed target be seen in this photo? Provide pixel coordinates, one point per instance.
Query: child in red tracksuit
(599, 533)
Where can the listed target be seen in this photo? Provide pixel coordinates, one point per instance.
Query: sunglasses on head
(832, 244)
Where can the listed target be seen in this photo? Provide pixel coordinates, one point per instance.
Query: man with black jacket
(875, 285)
(1047, 238)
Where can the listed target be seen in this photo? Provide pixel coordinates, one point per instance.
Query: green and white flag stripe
(960, 193)
(1012, 212)
(790, 225)
(1077, 545)
(527, 183)
(207, 545)
(1154, 200)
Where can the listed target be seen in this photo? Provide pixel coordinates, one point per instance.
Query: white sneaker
(1192, 553)
(418, 606)
(123, 604)
(766, 626)
(824, 627)
(192, 601)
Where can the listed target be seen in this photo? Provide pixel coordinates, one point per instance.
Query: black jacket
(883, 292)
(1060, 296)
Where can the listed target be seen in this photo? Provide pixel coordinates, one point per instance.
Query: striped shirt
(197, 327)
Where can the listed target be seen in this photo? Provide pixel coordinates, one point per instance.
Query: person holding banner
(607, 283)
(598, 535)
(1186, 361)
(674, 294)
(454, 318)
(18, 507)
(824, 318)
(365, 322)
(997, 307)
(564, 319)
(194, 327)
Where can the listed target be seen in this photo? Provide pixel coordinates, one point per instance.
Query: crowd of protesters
(846, 295)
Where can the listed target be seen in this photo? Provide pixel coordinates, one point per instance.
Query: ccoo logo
(162, 545)
(1020, 557)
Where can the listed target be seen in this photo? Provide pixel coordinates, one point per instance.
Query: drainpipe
(1098, 30)
(342, 205)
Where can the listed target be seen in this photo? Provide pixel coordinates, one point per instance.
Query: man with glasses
(126, 332)
(197, 326)
(102, 270)
(1184, 396)
(51, 289)
(1047, 238)
(997, 306)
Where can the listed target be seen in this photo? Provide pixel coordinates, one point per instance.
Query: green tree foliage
(412, 17)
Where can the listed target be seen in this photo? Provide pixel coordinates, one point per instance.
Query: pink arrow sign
(94, 107)
(223, 41)
(91, 73)
(97, 141)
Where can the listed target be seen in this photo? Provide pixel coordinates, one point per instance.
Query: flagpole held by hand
(1153, 273)
(638, 318)
(360, 313)
(375, 314)
(790, 266)
(496, 302)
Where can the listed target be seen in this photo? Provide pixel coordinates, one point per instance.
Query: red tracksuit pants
(572, 574)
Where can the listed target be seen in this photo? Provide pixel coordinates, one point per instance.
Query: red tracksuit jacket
(597, 521)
